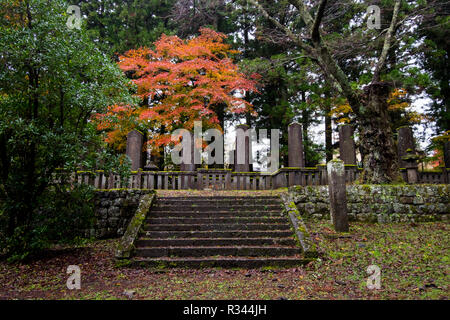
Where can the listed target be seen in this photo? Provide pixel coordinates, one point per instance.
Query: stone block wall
(379, 203)
(113, 210)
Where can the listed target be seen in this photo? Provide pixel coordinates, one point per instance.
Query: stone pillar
(243, 149)
(135, 142)
(295, 146)
(405, 141)
(338, 195)
(412, 172)
(189, 166)
(447, 154)
(347, 149)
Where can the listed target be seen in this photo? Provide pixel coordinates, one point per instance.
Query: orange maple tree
(179, 82)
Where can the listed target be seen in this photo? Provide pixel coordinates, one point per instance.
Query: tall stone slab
(190, 165)
(347, 148)
(135, 143)
(243, 149)
(295, 146)
(338, 195)
(405, 142)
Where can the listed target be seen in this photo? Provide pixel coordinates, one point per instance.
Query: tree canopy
(181, 81)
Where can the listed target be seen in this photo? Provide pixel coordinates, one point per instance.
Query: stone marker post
(243, 149)
(295, 146)
(347, 149)
(338, 195)
(190, 166)
(405, 141)
(231, 159)
(135, 142)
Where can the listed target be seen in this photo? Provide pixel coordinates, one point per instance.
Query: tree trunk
(328, 134)
(377, 143)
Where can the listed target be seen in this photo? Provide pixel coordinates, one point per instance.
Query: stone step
(214, 214)
(214, 220)
(216, 231)
(271, 234)
(217, 202)
(217, 227)
(221, 262)
(184, 242)
(241, 251)
(219, 198)
(207, 208)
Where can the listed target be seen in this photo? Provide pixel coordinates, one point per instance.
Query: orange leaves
(396, 101)
(118, 120)
(208, 45)
(185, 81)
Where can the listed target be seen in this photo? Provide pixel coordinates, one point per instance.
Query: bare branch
(304, 13)
(315, 34)
(298, 41)
(387, 42)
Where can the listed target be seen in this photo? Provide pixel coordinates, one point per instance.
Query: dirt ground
(413, 261)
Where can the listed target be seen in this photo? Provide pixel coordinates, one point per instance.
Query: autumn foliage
(397, 103)
(179, 82)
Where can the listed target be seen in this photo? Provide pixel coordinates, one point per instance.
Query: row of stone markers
(135, 143)
(407, 157)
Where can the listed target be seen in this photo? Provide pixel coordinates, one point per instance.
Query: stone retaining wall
(379, 203)
(113, 211)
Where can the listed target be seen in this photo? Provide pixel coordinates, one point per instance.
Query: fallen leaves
(405, 274)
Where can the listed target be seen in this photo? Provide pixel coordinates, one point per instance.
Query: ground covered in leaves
(413, 258)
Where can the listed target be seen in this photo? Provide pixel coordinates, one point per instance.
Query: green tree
(358, 61)
(52, 79)
(434, 54)
(118, 26)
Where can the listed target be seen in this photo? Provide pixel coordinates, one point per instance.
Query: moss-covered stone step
(238, 251)
(216, 202)
(217, 227)
(184, 242)
(209, 208)
(218, 214)
(214, 220)
(221, 262)
(272, 234)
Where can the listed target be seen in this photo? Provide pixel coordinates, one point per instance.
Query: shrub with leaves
(52, 79)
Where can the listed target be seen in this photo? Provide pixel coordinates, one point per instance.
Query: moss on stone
(394, 202)
(126, 245)
(301, 233)
(124, 189)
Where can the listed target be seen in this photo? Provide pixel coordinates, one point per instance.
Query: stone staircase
(217, 231)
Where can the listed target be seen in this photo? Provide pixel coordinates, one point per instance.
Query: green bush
(53, 83)
(61, 216)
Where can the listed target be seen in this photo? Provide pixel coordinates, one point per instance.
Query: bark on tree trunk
(328, 134)
(377, 143)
